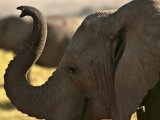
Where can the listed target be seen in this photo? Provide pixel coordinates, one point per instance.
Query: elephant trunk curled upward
(106, 71)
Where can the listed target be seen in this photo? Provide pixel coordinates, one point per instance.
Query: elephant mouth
(85, 109)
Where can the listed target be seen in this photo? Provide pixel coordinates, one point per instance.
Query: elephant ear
(138, 65)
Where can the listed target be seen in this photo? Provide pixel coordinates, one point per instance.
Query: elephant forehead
(80, 47)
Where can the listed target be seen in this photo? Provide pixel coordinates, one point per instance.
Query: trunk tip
(23, 13)
(26, 10)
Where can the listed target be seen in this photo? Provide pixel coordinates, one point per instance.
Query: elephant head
(106, 71)
(9, 27)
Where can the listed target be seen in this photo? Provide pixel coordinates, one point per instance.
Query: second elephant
(14, 31)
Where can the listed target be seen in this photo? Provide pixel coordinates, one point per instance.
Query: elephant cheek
(70, 107)
(97, 111)
(84, 86)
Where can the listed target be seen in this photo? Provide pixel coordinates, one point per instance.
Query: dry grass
(39, 74)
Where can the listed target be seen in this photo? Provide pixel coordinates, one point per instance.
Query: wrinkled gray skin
(15, 31)
(106, 71)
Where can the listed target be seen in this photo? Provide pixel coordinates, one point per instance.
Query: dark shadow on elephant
(151, 104)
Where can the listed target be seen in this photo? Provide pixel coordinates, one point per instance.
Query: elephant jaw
(71, 112)
(95, 111)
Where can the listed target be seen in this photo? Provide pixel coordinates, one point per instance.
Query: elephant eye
(72, 69)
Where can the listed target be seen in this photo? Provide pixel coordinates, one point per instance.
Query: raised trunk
(25, 97)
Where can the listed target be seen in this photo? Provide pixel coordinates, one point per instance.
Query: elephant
(108, 68)
(60, 32)
(13, 32)
(151, 105)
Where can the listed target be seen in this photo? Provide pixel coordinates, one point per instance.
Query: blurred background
(61, 15)
(54, 7)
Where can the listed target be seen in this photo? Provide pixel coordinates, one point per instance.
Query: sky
(58, 7)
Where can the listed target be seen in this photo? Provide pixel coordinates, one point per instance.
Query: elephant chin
(78, 112)
(84, 110)
(91, 110)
